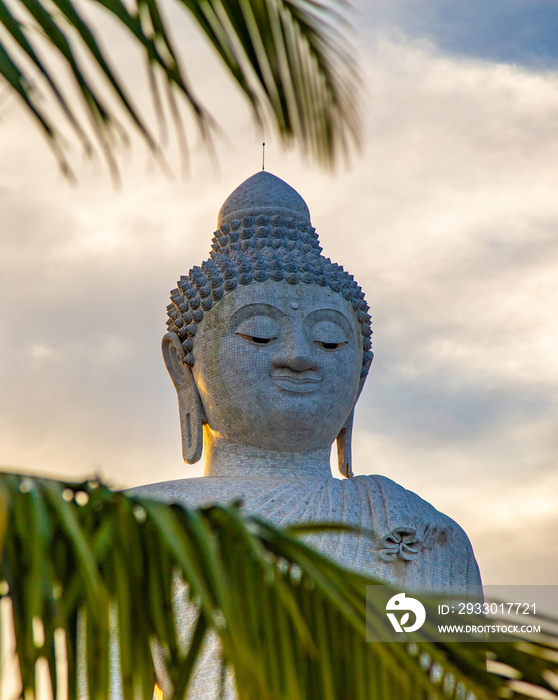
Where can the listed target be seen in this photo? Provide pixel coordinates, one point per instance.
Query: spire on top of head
(263, 193)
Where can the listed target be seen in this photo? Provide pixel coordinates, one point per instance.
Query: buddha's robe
(412, 545)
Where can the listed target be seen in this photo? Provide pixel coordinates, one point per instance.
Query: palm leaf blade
(231, 566)
(289, 58)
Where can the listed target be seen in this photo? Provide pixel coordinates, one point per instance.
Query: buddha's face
(278, 366)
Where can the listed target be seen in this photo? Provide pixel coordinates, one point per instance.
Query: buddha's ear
(189, 403)
(364, 374)
(345, 437)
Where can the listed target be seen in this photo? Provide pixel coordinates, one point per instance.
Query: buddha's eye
(255, 339)
(258, 330)
(329, 346)
(328, 336)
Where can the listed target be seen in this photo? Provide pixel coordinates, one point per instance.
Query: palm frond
(290, 58)
(102, 566)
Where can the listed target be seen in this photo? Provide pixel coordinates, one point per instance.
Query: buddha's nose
(295, 353)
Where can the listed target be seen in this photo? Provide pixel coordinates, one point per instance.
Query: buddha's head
(269, 342)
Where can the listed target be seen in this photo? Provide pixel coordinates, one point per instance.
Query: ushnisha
(268, 347)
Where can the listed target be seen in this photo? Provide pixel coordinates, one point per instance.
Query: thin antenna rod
(263, 155)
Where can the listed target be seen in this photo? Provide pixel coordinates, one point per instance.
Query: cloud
(511, 31)
(448, 221)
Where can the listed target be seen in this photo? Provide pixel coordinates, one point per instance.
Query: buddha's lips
(297, 383)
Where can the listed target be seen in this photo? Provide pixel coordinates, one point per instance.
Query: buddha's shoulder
(390, 491)
(382, 497)
(201, 491)
(403, 505)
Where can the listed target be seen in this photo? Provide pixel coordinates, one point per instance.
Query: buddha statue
(268, 347)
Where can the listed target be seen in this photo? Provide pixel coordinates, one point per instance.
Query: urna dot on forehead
(264, 233)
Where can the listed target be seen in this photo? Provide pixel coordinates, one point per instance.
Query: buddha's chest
(400, 538)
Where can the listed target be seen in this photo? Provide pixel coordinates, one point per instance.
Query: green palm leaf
(103, 567)
(290, 58)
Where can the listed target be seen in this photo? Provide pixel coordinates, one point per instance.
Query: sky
(448, 219)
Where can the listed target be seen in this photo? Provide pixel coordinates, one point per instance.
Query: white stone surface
(266, 194)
